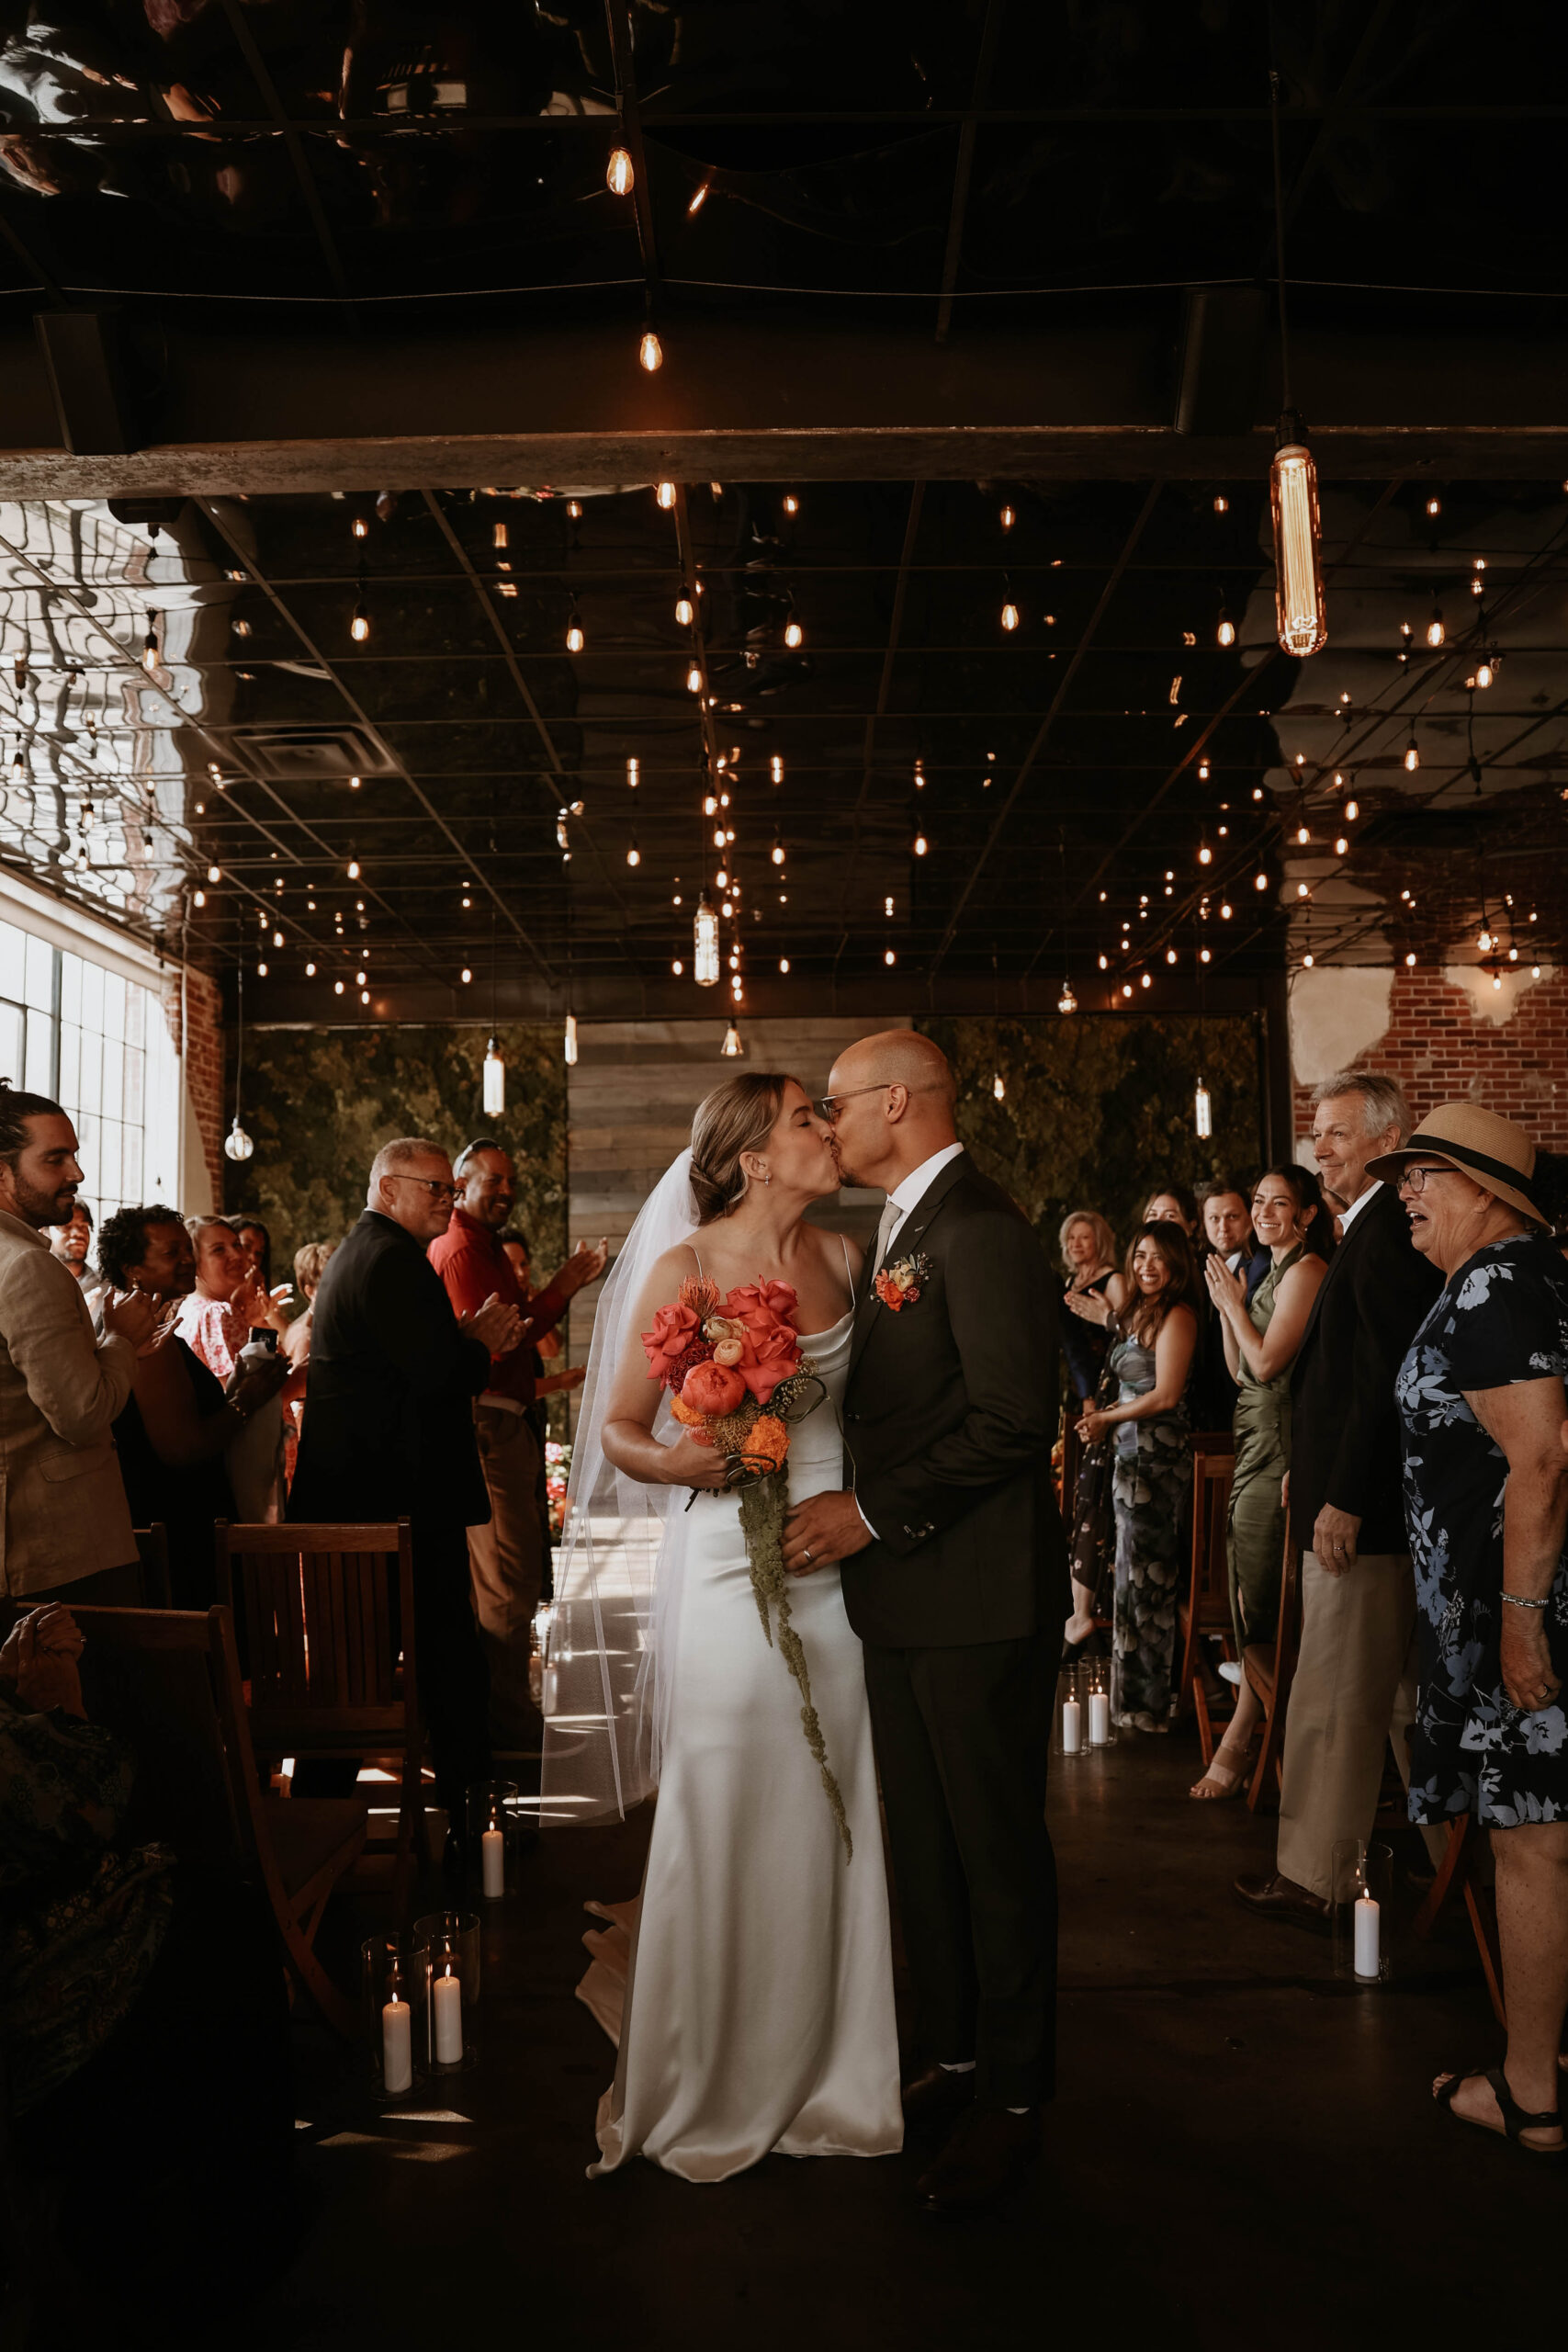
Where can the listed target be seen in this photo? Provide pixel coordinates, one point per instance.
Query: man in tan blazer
(64, 1524)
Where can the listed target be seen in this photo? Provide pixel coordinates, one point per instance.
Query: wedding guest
(1226, 1211)
(1173, 1205)
(66, 1525)
(1225, 1229)
(310, 1264)
(1261, 1337)
(215, 1320)
(73, 1245)
(508, 1550)
(256, 1241)
(144, 2013)
(1481, 1407)
(519, 1250)
(1095, 1295)
(1153, 1478)
(389, 1434)
(1088, 1259)
(173, 1432)
(1354, 1686)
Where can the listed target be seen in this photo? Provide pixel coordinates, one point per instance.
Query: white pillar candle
(492, 1861)
(1367, 1924)
(1072, 1727)
(1099, 1718)
(446, 2000)
(397, 2046)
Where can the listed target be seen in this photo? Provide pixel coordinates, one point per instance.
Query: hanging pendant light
(650, 352)
(619, 177)
(998, 1087)
(1067, 1001)
(684, 612)
(494, 1081)
(665, 494)
(149, 643)
(1202, 1113)
(569, 1048)
(1299, 619)
(237, 1144)
(733, 1046)
(704, 943)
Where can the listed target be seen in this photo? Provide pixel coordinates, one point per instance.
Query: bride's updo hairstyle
(736, 1118)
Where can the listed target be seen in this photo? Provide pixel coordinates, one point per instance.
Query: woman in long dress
(759, 2010)
(1261, 1344)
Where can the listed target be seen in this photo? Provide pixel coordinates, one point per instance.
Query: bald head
(894, 1100)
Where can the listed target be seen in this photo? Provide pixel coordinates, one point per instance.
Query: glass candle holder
(494, 1837)
(1099, 1729)
(444, 1968)
(1361, 1890)
(386, 1976)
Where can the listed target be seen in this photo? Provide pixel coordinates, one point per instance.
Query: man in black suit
(1226, 1209)
(954, 1578)
(390, 1432)
(1355, 1681)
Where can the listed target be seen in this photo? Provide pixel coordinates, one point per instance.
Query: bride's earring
(767, 1180)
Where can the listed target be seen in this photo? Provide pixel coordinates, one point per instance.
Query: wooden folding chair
(1270, 1669)
(1206, 1611)
(327, 1618)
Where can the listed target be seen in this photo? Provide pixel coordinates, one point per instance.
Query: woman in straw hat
(1482, 1408)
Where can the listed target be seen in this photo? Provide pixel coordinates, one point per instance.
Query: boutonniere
(900, 1284)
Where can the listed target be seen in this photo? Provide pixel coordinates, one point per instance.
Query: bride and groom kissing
(925, 1576)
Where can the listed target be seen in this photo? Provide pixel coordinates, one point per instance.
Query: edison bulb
(791, 504)
(634, 855)
(649, 353)
(699, 197)
(777, 768)
(1484, 673)
(1302, 626)
(1435, 631)
(683, 611)
(360, 527)
(359, 626)
(619, 177)
(1010, 616)
(921, 844)
(1352, 810)
(666, 495)
(1221, 504)
(1412, 757)
(1007, 518)
(1205, 855)
(695, 680)
(793, 633)
(1340, 846)
(1226, 633)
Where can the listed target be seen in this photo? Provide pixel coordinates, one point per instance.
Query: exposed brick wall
(1440, 1052)
(202, 1055)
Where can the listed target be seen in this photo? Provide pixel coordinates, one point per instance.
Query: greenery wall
(319, 1103)
(1097, 1110)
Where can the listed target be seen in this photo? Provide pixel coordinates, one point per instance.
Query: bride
(759, 2011)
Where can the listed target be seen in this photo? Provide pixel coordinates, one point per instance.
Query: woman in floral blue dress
(1483, 1409)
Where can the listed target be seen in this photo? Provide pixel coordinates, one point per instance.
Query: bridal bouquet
(737, 1378)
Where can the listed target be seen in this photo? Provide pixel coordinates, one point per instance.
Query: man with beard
(66, 1526)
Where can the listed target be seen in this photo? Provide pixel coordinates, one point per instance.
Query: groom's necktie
(890, 1216)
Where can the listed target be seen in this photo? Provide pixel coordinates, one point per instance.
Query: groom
(954, 1578)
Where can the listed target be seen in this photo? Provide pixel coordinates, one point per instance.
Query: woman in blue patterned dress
(1482, 1403)
(1153, 1478)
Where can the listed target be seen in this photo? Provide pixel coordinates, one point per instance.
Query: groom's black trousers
(963, 1736)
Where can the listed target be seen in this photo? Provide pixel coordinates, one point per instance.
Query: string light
(1205, 855)
(1434, 506)
(699, 197)
(351, 869)
(666, 495)
(575, 640)
(1435, 631)
(1067, 1001)
(466, 974)
(149, 643)
(784, 963)
(1260, 881)
(684, 614)
(574, 509)
(694, 679)
(1340, 845)
(634, 855)
(920, 844)
(732, 1048)
(794, 633)
(777, 851)
(214, 874)
(1484, 672)
(619, 177)
(776, 768)
(1226, 633)
(360, 527)
(1412, 757)
(1221, 504)
(633, 770)
(650, 352)
(1352, 810)
(359, 626)
(888, 956)
(790, 503)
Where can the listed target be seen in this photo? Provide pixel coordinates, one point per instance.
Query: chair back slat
(329, 1618)
(1210, 1599)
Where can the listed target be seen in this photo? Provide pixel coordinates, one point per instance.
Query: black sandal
(1515, 2117)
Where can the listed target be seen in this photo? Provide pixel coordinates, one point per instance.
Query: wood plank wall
(629, 1104)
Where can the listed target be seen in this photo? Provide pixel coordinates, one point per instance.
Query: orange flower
(686, 1413)
(768, 1435)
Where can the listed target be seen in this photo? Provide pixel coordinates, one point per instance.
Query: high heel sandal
(1231, 1782)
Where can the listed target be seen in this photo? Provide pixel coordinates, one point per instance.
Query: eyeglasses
(826, 1106)
(433, 1185)
(1413, 1180)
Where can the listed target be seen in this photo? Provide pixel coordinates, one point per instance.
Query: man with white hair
(1355, 1682)
(389, 1431)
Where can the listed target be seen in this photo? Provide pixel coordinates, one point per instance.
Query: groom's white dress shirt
(904, 1197)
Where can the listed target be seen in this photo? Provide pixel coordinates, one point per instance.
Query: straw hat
(1491, 1149)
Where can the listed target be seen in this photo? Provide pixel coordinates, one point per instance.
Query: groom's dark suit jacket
(950, 1411)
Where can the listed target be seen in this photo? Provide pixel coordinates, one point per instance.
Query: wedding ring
(808, 1551)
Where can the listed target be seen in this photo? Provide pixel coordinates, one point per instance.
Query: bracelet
(1517, 1600)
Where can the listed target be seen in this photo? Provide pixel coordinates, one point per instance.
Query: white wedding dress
(759, 2007)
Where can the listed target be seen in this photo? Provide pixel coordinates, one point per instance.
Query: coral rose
(762, 1306)
(675, 1331)
(770, 1356)
(715, 1388)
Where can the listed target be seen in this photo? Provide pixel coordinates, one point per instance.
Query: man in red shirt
(506, 1559)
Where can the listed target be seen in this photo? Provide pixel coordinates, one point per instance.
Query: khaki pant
(507, 1563)
(1355, 1688)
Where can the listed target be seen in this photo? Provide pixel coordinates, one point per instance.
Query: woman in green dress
(1262, 1340)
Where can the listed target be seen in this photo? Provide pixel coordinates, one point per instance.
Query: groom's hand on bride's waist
(823, 1529)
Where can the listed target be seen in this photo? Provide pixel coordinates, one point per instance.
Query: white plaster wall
(1336, 1012)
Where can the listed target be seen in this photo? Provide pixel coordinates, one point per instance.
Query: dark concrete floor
(1240, 2143)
